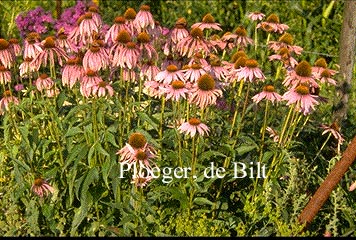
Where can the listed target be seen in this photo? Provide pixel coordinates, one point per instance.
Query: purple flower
(34, 20)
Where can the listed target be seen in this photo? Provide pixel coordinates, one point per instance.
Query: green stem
(322, 147)
(285, 124)
(263, 131)
(243, 109)
(237, 106)
(256, 38)
(193, 164)
(294, 125)
(163, 101)
(95, 129)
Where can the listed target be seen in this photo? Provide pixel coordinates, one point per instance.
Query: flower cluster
(178, 65)
(36, 20)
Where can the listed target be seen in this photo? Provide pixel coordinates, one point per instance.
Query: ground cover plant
(131, 126)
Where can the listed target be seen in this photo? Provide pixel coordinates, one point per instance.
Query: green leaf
(92, 176)
(202, 201)
(111, 138)
(208, 154)
(61, 98)
(81, 212)
(100, 149)
(245, 149)
(150, 120)
(73, 131)
(77, 153)
(105, 170)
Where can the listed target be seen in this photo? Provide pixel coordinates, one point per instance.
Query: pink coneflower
(130, 16)
(89, 80)
(194, 43)
(122, 38)
(96, 57)
(176, 90)
(321, 71)
(170, 60)
(94, 10)
(32, 45)
(302, 74)
(44, 82)
(193, 72)
(272, 24)
(86, 28)
(267, 93)
(204, 92)
(242, 40)
(305, 102)
(235, 61)
(175, 35)
(149, 70)
(216, 69)
(284, 56)
(227, 41)
(63, 42)
(53, 92)
(5, 75)
(144, 19)
(251, 71)
(198, 58)
(102, 89)
(82, 33)
(41, 187)
(153, 88)
(147, 50)
(217, 42)
(7, 59)
(141, 181)
(137, 150)
(273, 134)
(124, 52)
(235, 69)
(158, 33)
(50, 53)
(171, 73)
(239, 38)
(194, 126)
(128, 57)
(111, 34)
(208, 22)
(179, 31)
(129, 75)
(72, 72)
(285, 41)
(256, 16)
(334, 129)
(15, 47)
(26, 68)
(325, 77)
(6, 101)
